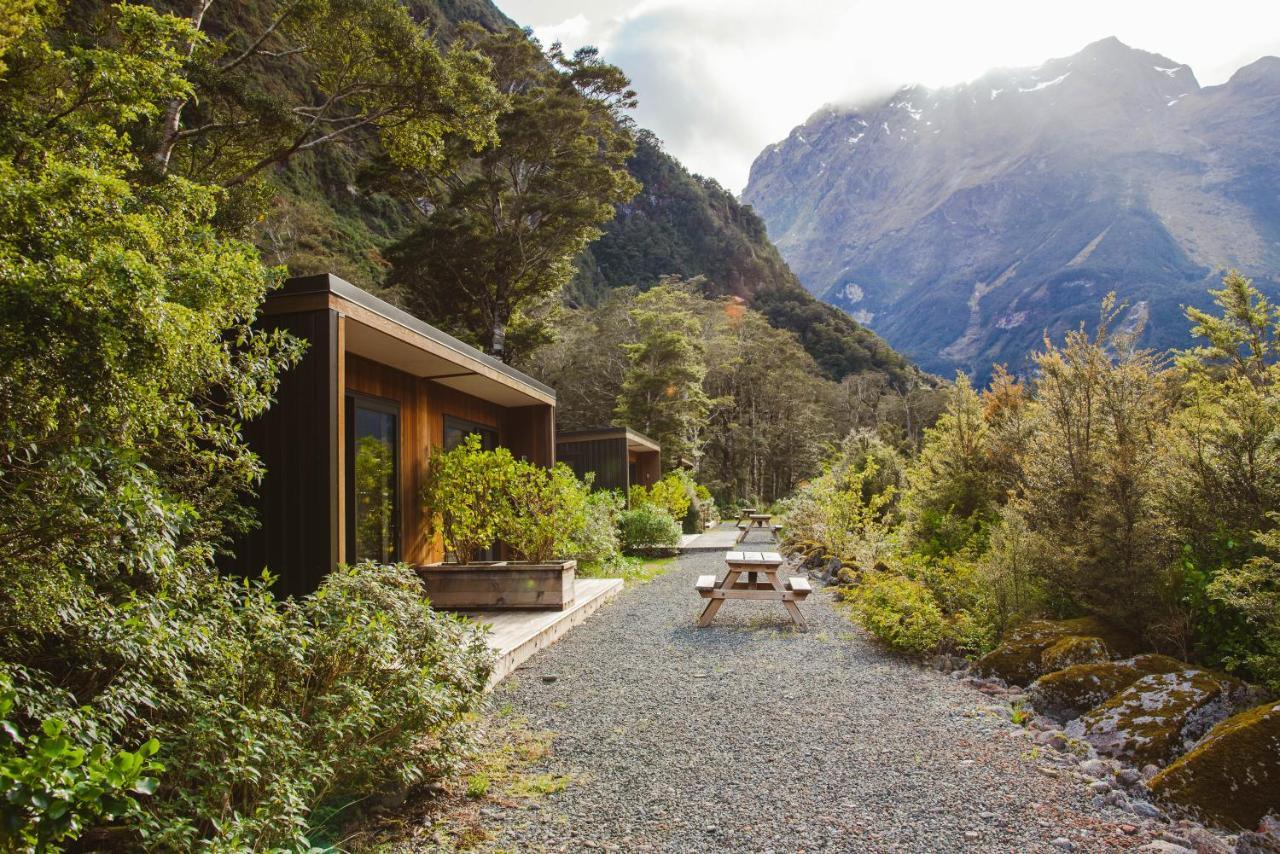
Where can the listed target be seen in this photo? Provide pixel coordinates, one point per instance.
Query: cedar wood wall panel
(648, 467)
(297, 497)
(526, 430)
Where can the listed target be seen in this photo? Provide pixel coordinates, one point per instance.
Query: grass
(633, 570)
(500, 771)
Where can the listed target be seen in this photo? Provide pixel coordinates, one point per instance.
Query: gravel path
(750, 736)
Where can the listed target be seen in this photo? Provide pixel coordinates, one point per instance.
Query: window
(457, 429)
(373, 479)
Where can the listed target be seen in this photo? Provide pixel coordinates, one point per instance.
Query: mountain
(965, 223)
(685, 225)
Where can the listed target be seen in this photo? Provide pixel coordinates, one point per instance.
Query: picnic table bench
(761, 582)
(747, 520)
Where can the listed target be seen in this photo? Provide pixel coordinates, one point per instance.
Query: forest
(1115, 482)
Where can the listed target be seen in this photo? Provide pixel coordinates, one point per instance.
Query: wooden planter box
(500, 584)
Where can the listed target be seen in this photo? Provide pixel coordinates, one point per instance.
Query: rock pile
(1146, 725)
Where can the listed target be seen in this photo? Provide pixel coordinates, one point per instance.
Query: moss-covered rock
(1159, 716)
(1019, 659)
(1232, 777)
(1074, 649)
(1067, 694)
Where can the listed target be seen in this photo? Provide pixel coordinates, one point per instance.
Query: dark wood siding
(606, 458)
(296, 503)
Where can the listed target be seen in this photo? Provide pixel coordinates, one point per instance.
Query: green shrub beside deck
(647, 529)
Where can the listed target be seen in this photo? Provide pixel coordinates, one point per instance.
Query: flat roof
(379, 331)
(636, 441)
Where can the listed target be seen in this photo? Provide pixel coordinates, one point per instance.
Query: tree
(585, 363)
(662, 393)
(1221, 472)
(772, 420)
(292, 76)
(951, 491)
(1091, 477)
(500, 234)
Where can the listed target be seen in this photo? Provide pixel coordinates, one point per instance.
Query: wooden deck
(516, 635)
(721, 539)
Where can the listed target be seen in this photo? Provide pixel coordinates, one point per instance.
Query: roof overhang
(380, 332)
(635, 441)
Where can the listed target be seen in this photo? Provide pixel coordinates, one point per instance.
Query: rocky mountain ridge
(965, 223)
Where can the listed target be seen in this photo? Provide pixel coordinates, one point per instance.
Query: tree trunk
(173, 112)
(498, 332)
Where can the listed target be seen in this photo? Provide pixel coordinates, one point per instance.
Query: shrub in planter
(464, 491)
(648, 528)
(541, 511)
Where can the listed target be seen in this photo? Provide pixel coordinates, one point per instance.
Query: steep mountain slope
(685, 225)
(964, 223)
(330, 214)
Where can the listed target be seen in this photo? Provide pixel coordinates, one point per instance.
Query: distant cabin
(617, 457)
(347, 441)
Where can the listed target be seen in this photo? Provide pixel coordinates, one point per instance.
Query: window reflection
(372, 485)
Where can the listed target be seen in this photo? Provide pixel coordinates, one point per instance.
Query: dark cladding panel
(607, 458)
(294, 439)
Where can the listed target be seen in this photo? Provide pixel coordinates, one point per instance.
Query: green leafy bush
(543, 511)
(899, 611)
(356, 690)
(596, 542)
(648, 528)
(465, 490)
(52, 789)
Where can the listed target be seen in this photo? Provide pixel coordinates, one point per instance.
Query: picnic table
(753, 575)
(744, 513)
(747, 520)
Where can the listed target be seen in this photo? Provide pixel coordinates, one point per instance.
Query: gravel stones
(750, 736)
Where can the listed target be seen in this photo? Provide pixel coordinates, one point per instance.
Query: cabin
(347, 442)
(617, 457)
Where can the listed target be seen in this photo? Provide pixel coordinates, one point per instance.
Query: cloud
(718, 80)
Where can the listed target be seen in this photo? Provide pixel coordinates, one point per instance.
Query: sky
(718, 80)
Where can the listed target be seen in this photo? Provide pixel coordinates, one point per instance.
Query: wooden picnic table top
(754, 558)
(765, 516)
(743, 581)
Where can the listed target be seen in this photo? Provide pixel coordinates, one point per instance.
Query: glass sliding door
(373, 479)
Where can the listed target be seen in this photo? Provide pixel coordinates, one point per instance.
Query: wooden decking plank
(516, 635)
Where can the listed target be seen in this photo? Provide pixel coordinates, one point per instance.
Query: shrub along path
(750, 736)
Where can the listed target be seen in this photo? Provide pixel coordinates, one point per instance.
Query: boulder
(1019, 659)
(1074, 649)
(1232, 777)
(1159, 716)
(1068, 693)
